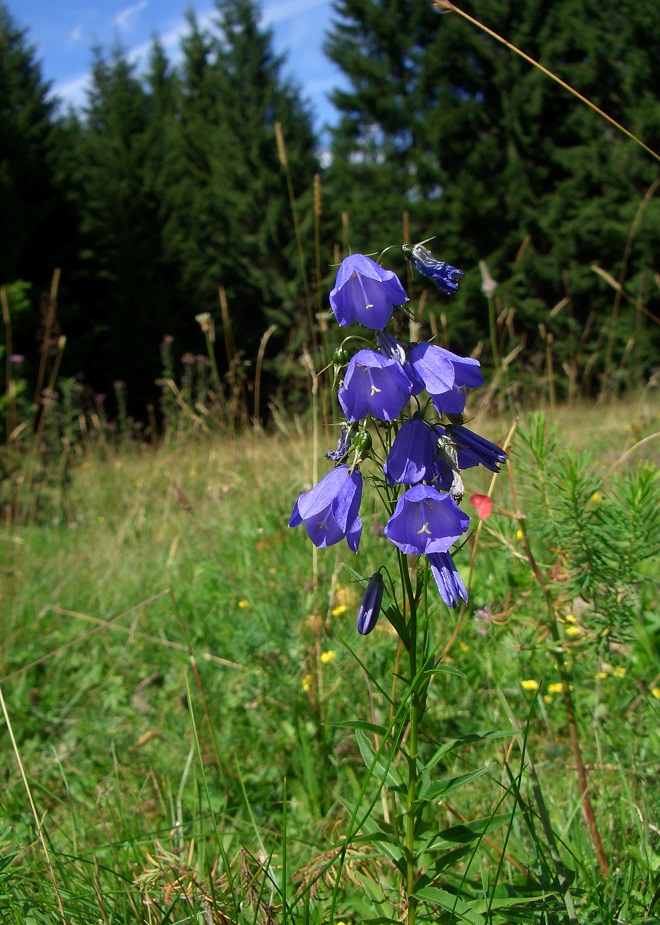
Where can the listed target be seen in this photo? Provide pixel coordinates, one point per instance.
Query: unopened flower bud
(363, 442)
(339, 357)
(443, 274)
(371, 602)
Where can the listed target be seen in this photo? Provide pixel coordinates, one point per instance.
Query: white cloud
(75, 35)
(123, 19)
(297, 24)
(73, 92)
(283, 9)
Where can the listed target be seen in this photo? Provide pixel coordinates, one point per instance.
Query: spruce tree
(231, 202)
(29, 200)
(120, 279)
(484, 151)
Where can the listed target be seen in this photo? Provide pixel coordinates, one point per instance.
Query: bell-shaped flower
(424, 521)
(474, 450)
(467, 370)
(412, 454)
(370, 606)
(428, 368)
(374, 385)
(451, 402)
(449, 582)
(330, 510)
(390, 347)
(365, 292)
(443, 274)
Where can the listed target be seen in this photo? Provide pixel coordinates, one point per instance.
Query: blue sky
(64, 32)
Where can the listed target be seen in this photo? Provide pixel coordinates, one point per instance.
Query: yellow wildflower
(529, 685)
(519, 534)
(655, 692)
(555, 688)
(338, 611)
(329, 656)
(306, 683)
(602, 675)
(619, 671)
(569, 618)
(573, 631)
(596, 498)
(463, 647)
(243, 604)
(547, 698)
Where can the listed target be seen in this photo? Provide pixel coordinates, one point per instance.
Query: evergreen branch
(448, 7)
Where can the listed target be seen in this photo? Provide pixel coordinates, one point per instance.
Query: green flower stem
(411, 796)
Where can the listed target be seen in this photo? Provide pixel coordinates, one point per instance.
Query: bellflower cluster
(405, 389)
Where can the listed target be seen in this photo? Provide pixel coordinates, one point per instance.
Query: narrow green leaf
(440, 788)
(360, 724)
(466, 832)
(383, 768)
(462, 911)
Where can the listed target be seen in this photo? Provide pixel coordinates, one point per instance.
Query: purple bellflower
(428, 368)
(374, 385)
(466, 369)
(365, 292)
(411, 457)
(390, 347)
(449, 582)
(474, 450)
(424, 521)
(370, 606)
(443, 274)
(451, 402)
(330, 510)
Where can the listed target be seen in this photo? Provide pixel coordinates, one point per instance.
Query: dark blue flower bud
(443, 274)
(370, 607)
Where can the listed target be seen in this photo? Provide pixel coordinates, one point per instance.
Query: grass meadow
(189, 713)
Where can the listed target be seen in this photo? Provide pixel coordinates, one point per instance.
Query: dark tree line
(168, 184)
(490, 155)
(166, 187)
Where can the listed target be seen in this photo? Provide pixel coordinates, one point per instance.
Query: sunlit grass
(168, 662)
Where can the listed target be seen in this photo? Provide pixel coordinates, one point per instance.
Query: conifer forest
(167, 193)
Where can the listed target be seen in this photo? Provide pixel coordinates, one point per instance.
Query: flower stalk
(411, 800)
(415, 394)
